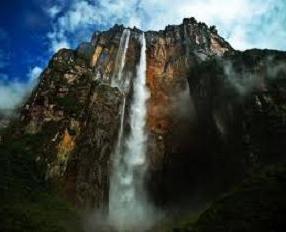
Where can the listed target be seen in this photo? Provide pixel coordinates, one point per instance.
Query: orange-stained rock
(66, 145)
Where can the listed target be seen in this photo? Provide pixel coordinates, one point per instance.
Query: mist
(244, 80)
(14, 93)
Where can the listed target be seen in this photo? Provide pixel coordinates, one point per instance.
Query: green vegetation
(257, 205)
(70, 104)
(177, 223)
(27, 201)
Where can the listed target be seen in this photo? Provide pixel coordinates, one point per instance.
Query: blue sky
(31, 31)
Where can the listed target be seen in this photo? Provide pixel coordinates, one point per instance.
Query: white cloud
(13, 93)
(82, 18)
(34, 73)
(53, 11)
(244, 23)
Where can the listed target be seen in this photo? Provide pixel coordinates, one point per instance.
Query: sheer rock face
(172, 53)
(75, 101)
(84, 113)
(241, 100)
(170, 57)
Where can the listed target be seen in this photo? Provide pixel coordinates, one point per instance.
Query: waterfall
(122, 85)
(120, 59)
(127, 200)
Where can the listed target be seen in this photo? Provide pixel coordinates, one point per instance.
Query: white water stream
(128, 205)
(120, 59)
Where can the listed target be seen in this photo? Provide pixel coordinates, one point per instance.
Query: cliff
(75, 98)
(215, 115)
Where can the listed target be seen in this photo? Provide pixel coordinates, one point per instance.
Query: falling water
(127, 200)
(121, 84)
(120, 59)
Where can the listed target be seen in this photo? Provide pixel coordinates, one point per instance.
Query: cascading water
(127, 200)
(122, 85)
(120, 59)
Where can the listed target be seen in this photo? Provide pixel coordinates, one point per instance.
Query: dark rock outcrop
(256, 205)
(240, 104)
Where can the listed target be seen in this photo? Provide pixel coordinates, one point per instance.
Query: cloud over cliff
(244, 23)
(14, 92)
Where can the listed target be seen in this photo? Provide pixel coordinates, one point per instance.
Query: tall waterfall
(120, 59)
(122, 84)
(127, 200)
